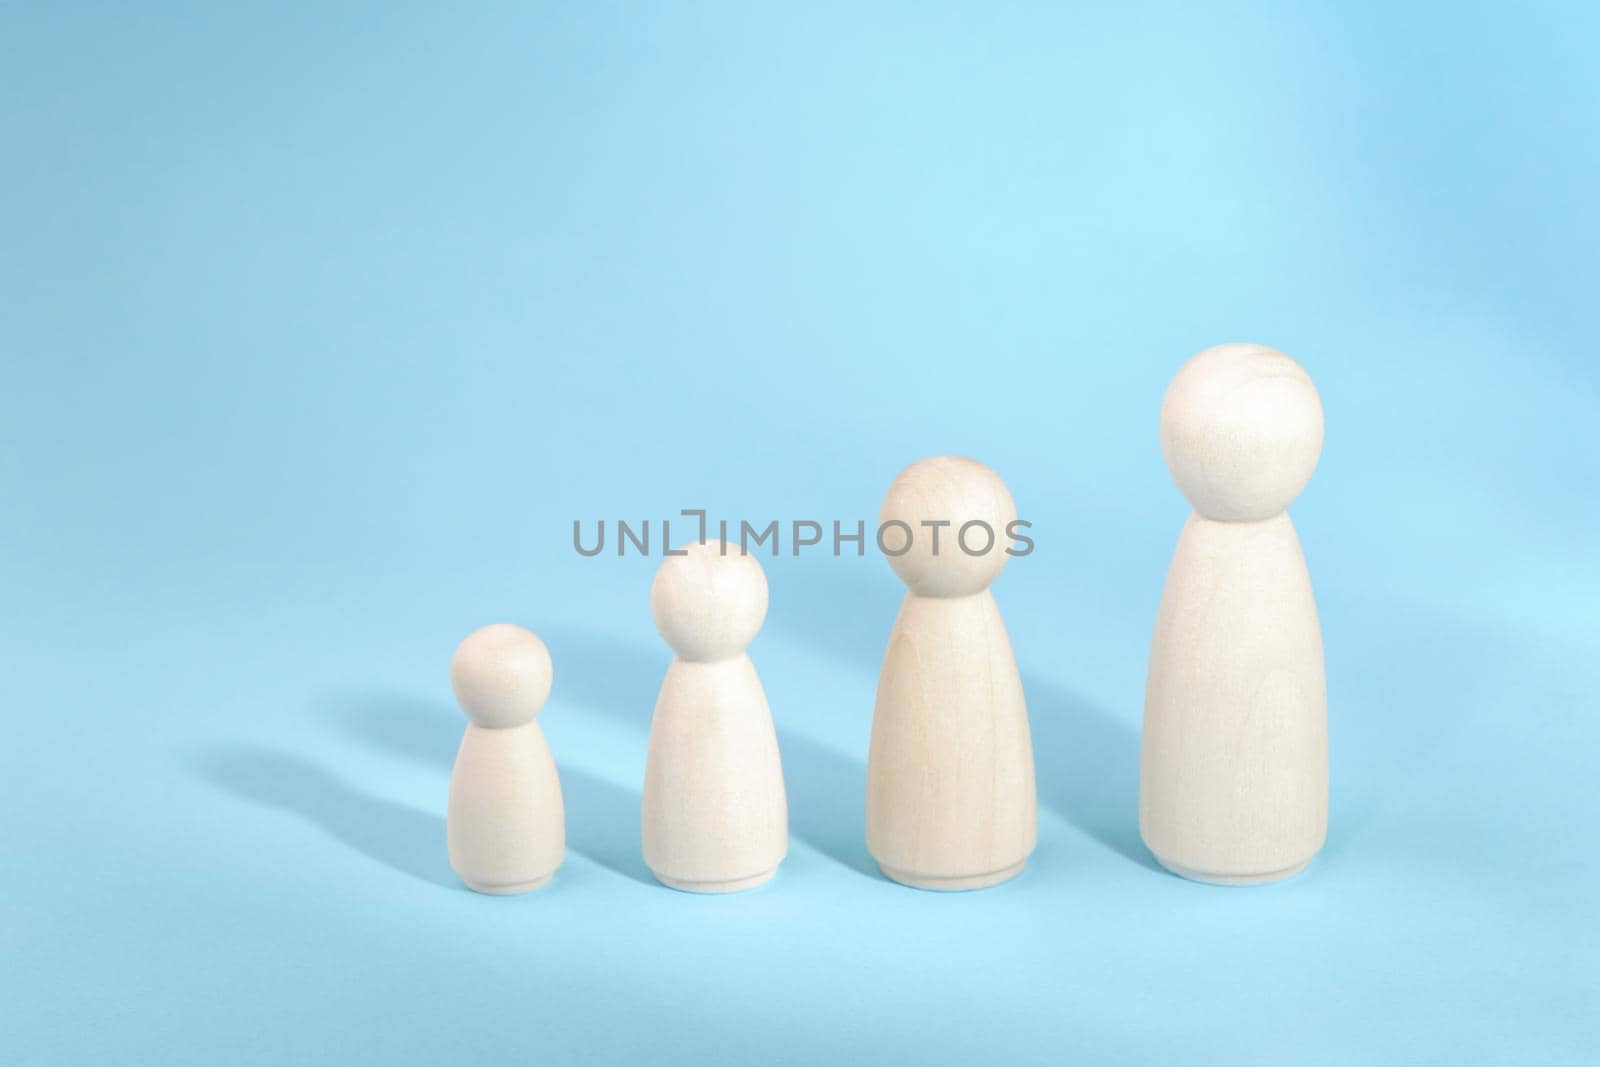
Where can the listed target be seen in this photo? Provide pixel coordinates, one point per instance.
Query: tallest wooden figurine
(1234, 775)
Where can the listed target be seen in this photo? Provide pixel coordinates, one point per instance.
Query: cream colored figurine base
(731, 886)
(1232, 879)
(1234, 770)
(715, 816)
(506, 825)
(957, 884)
(508, 890)
(950, 791)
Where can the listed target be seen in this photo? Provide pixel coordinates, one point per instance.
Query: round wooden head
(709, 604)
(1241, 429)
(501, 675)
(955, 512)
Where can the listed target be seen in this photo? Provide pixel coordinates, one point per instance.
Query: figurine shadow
(400, 837)
(603, 825)
(827, 801)
(602, 818)
(1086, 762)
(420, 731)
(826, 788)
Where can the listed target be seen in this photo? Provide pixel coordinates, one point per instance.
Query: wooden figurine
(715, 817)
(1234, 775)
(506, 825)
(950, 790)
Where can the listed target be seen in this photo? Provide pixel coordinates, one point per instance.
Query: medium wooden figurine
(950, 791)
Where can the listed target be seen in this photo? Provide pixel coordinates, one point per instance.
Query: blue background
(321, 324)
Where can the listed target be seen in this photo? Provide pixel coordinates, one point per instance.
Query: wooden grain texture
(951, 802)
(1234, 764)
(714, 811)
(506, 826)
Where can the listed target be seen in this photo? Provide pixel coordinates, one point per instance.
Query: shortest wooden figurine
(507, 827)
(715, 818)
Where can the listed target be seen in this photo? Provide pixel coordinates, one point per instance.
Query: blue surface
(321, 324)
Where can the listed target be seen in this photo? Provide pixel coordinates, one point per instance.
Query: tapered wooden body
(715, 817)
(506, 825)
(1234, 776)
(950, 789)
